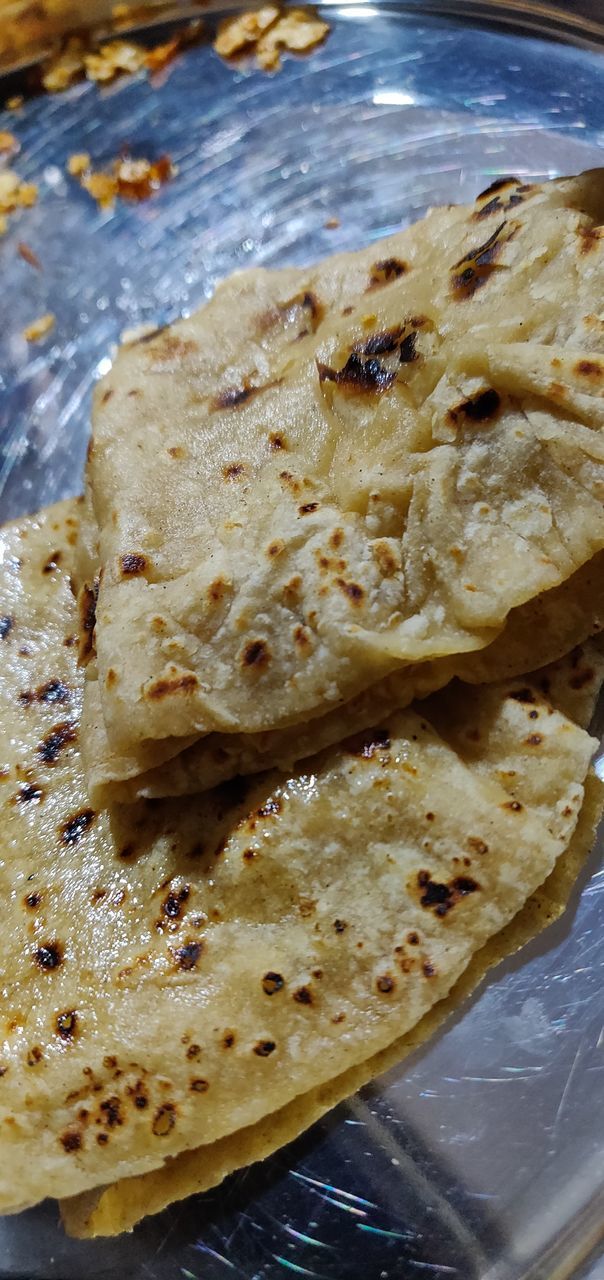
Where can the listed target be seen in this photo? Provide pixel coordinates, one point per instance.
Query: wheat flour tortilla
(171, 972)
(327, 473)
(111, 1210)
(539, 632)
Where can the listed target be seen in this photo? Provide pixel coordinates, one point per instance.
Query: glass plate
(482, 1157)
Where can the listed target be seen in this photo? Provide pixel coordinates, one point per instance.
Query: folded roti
(111, 1210)
(540, 631)
(171, 972)
(330, 472)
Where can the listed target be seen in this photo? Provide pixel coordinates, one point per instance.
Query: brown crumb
(39, 328)
(267, 31)
(64, 67)
(8, 142)
(15, 103)
(129, 178)
(14, 194)
(28, 255)
(116, 58)
(331, 224)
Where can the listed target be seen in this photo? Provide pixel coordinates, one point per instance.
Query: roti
(329, 473)
(171, 973)
(111, 1210)
(544, 629)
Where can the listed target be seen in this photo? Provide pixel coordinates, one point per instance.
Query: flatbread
(172, 972)
(329, 472)
(542, 630)
(109, 1211)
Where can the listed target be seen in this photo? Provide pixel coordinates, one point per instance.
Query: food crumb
(78, 163)
(129, 177)
(39, 328)
(65, 66)
(8, 142)
(267, 31)
(15, 103)
(118, 57)
(14, 194)
(331, 224)
(28, 255)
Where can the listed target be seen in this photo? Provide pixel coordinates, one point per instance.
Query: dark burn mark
(308, 508)
(264, 1048)
(256, 654)
(106, 396)
(270, 808)
(514, 805)
(359, 375)
(173, 902)
(193, 1051)
(534, 740)
(589, 369)
(444, 896)
(228, 1039)
(87, 613)
(102, 1138)
(277, 441)
(34, 1056)
(6, 625)
(352, 590)
(164, 1120)
(49, 956)
(476, 845)
(473, 270)
(385, 984)
(53, 562)
(271, 983)
(70, 1140)
(29, 793)
(163, 688)
(307, 302)
(498, 185)
(199, 1085)
(303, 995)
(340, 925)
(385, 271)
(132, 564)
(483, 407)
(32, 900)
(187, 956)
(387, 341)
(413, 939)
(428, 969)
(232, 470)
(54, 691)
(234, 397)
(66, 1025)
(111, 1112)
(76, 826)
(61, 736)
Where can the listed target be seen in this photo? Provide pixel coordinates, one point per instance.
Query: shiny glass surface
(482, 1157)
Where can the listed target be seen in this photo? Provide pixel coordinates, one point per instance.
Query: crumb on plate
(267, 31)
(14, 194)
(131, 178)
(39, 328)
(8, 142)
(28, 255)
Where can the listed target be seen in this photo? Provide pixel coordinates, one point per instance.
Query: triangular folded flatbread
(330, 472)
(172, 974)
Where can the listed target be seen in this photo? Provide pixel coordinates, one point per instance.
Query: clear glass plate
(482, 1157)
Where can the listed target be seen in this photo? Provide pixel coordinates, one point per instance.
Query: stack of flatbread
(295, 701)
